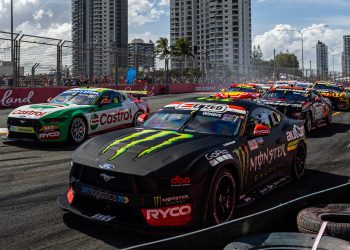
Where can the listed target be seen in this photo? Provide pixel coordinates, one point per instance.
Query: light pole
(12, 49)
(333, 54)
(301, 32)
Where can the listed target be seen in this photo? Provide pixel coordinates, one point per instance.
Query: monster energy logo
(135, 141)
(157, 201)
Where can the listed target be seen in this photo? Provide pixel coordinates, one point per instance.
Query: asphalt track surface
(33, 175)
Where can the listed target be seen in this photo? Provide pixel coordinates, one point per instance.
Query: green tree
(183, 50)
(162, 50)
(257, 55)
(287, 60)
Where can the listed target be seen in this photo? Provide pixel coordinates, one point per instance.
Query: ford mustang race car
(189, 165)
(240, 91)
(298, 103)
(75, 114)
(335, 93)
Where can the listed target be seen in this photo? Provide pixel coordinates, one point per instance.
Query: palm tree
(183, 49)
(162, 50)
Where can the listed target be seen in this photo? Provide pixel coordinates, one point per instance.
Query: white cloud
(39, 14)
(146, 11)
(291, 41)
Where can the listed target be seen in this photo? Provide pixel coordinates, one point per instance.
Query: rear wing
(138, 94)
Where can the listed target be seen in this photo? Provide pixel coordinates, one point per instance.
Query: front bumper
(35, 130)
(119, 218)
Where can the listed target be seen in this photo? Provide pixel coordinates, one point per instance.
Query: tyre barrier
(295, 241)
(337, 215)
(279, 218)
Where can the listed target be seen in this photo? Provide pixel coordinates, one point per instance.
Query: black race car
(190, 164)
(298, 103)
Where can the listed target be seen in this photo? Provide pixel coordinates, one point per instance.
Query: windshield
(328, 87)
(227, 124)
(286, 95)
(76, 97)
(242, 89)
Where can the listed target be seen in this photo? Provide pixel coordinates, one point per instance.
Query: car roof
(246, 105)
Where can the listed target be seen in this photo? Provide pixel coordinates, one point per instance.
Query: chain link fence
(43, 61)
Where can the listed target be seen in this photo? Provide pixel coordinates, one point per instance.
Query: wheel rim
(136, 121)
(300, 162)
(224, 199)
(78, 129)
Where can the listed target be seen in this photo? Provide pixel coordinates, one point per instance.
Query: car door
(110, 112)
(268, 153)
(317, 107)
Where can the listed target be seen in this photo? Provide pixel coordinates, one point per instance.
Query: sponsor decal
(25, 130)
(212, 114)
(266, 172)
(7, 100)
(243, 157)
(103, 119)
(104, 195)
(229, 143)
(29, 112)
(168, 216)
(160, 201)
(267, 157)
(218, 156)
(175, 136)
(272, 186)
(293, 145)
(106, 177)
(106, 166)
(102, 217)
(296, 133)
(207, 107)
(48, 128)
(229, 118)
(178, 181)
(49, 136)
(253, 144)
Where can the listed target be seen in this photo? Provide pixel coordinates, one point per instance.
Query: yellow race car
(335, 93)
(245, 91)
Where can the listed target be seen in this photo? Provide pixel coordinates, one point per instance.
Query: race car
(190, 165)
(297, 103)
(245, 91)
(76, 114)
(335, 93)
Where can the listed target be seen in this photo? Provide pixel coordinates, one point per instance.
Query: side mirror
(261, 130)
(317, 99)
(142, 118)
(49, 100)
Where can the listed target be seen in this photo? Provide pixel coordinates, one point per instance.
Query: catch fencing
(44, 61)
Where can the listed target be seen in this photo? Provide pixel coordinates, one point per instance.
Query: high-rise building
(322, 60)
(219, 30)
(100, 37)
(141, 55)
(346, 56)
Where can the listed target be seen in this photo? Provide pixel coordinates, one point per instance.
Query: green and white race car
(76, 114)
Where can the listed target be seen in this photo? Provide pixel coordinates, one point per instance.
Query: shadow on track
(313, 181)
(330, 130)
(41, 146)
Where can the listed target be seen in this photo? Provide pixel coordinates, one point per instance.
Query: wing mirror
(261, 130)
(142, 118)
(49, 99)
(317, 99)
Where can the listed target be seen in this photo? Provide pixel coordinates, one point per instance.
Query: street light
(301, 32)
(333, 54)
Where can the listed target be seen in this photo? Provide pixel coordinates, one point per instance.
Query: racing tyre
(78, 130)
(135, 122)
(308, 123)
(286, 241)
(298, 165)
(330, 116)
(222, 200)
(338, 216)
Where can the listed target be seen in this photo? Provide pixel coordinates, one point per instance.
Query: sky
(149, 20)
